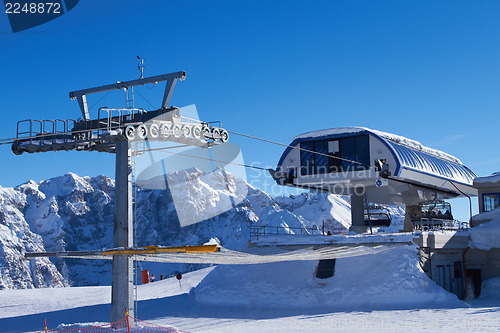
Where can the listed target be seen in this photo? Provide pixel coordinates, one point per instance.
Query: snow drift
(391, 279)
(486, 236)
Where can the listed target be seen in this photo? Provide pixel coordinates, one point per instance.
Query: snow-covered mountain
(330, 211)
(76, 213)
(16, 238)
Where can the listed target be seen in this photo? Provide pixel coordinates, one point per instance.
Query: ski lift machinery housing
(375, 166)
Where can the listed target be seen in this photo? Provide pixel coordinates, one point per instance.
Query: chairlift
(377, 216)
(434, 209)
(429, 215)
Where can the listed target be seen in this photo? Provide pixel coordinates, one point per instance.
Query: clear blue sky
(428, 70)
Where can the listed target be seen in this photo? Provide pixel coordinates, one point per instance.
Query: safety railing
(260, 231)
(29, 129)
(435, 224)
(114, 118)
(44, 132)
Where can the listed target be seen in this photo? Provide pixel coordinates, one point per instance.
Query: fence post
(128, 322)
(45, 325)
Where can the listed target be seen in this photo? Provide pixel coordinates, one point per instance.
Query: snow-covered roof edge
(494, 179)
(388, 136)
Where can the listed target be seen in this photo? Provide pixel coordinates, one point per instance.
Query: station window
(307, 158)
(335, 155)
(491, 201)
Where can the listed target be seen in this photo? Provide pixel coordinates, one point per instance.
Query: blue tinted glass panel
(348, 153)
(362, 152)
(306, 158)
(491, 201)
(321, 161)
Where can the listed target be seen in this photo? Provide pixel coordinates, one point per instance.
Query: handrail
(266, 230)
(435, 224)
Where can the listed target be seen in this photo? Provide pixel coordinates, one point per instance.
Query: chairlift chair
(379, 216)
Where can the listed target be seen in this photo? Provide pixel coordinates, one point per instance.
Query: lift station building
(378, 167)
(372, 166)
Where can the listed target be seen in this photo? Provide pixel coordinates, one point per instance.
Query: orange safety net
(126, 325)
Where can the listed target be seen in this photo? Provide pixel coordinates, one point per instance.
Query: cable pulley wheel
(215, 134)
(196, 131)
(224, 136)
(142, 131)
(164, 130)
(177, 130)
(154, 131)
(185, 131)
(130, 133)
(205, 130)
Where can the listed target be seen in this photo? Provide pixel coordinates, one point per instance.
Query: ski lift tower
(113, 131)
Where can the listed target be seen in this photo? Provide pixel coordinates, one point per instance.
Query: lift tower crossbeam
(80, 95)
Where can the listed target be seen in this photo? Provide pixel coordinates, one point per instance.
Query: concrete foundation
(408, 225)
(358, 214)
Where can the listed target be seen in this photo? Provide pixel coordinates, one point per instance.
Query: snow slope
(366, 294)
(387, 280)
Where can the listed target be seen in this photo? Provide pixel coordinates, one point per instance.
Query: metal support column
(357, 214)
(122, 294)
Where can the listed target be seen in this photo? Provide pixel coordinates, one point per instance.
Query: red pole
(45, 325)
(128, 322)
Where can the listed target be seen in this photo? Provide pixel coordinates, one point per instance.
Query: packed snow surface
(382, 292)
(388, 136)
